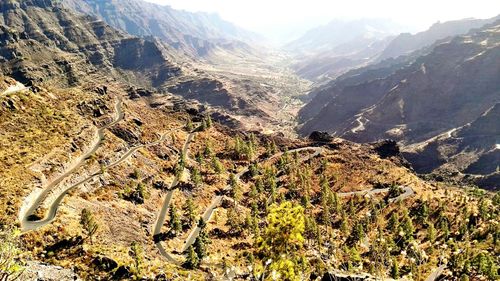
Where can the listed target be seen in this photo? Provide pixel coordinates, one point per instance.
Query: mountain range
(140, 142)
(196, 34)
(452, 84)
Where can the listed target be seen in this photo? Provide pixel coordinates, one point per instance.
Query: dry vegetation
(347, 233)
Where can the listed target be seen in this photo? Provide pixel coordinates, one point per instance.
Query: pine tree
(236, 192)
(357, 233)
(393, 222)
(208, 151)
(189, 211)
(196, 177)
(203, 126)
(136, 252)
(209, 122)
(199, 248)
(192, 260)
(174, 223)
(431, 233)
(283, 240)
(407, 226)
(395, 269)
(217, 165)
(88, 223)
(189, 125)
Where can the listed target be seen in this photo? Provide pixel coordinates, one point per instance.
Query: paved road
(54, 206)
(408, 192)
(166, 205)
(28, 225)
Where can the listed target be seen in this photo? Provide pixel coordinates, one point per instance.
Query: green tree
(234, 221)
(174, 222)
(357, 233)
(208, 151)
(217, 165)
(236, 192)
(393, 222)
(196, 177)
(136, 252)
(407, 226)
(431, 233)
(209, 121)
(10, 252)
(189, 125)
(201, 241)
(89, 224)
(395, 269)
(192, 260)
(283, 239)
(189, 211)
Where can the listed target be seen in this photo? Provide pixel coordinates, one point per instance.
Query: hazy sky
(269, 16)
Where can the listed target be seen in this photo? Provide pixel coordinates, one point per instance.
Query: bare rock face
(42, 41)
(437, 104)
(196, 34)
(45, 272)
(204, 90)
(125, 134)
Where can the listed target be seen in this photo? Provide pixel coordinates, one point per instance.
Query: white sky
(267, 16)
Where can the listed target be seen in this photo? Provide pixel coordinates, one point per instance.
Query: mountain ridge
(455, 80)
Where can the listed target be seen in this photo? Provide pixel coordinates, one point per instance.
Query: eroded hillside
(146, 171)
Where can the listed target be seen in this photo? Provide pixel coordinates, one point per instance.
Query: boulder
(122, 273)
(105, 264)
(386, 148)
(125, 134)
(318, 136)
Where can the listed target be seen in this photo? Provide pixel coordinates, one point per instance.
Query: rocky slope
(196, 34)
(44, 42)
(321, 59)
(456, 81)
(406, 43)
(328, 51)
(149, 159)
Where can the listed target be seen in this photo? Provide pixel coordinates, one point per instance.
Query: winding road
(218, 199)
(27, 224)
(166, 204)
(31, 225)
(408, 192)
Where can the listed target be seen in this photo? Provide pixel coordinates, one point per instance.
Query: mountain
(324, 53)
(114, 165)
(339, 32)
(415, 99)
(197, 34)
(371, 41)
(406, 43)
(43, 41)
(473, 149)
(327, 65)
(225, 66)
